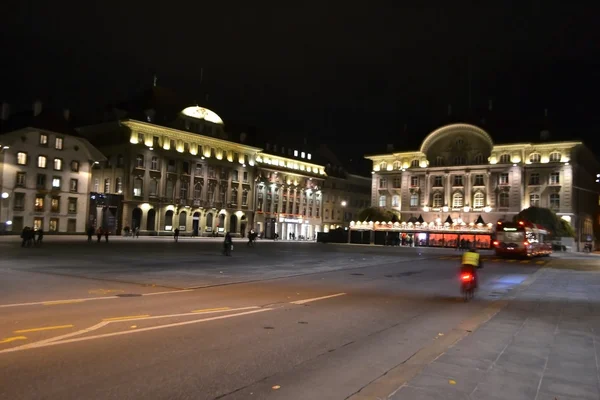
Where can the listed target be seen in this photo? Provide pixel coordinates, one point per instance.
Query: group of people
(99, 233)
(31, 237)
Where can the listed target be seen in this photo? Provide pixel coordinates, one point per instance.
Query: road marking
(525, 262)
(317, 298)
(53, 343)
(211, 309)
(540, 262)
(52, 302)
(12, 339)
(46, 328)
(126, 317)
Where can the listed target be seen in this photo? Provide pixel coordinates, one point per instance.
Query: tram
(521, 238)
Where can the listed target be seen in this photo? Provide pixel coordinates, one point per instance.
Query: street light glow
(344, 203)
(5, 195)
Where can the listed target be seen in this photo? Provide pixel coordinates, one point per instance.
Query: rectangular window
(74, 166)
(56, 181)
(119, 185)
(19, 201)
(183, 189)
(38, 223)
(235, 175)
(212, 173)
(43, 139)
(155, 142)
(40, 182)
(395, 201)
(73, 185)
(198, 171)
(186, 169)
(245, 177)
(438, 181)
(58, 164)
(20, 181)
(22, 158)
(139, 161)
(534, 179)
(55, 204)
(382, 183)
(41, 162)
(245, 198)
(414, 200)
(458, 180)
(382, 201)
(120, 161)
(58, 143)
(107, 185)
(138, 185)
(171, 166)
(71, 225)
(39, 203)
(503, 179)
(478, 180)
(397, 182)
(72, 205)
(554, 178)
(154, 164)
(414, 181)
(53, 227)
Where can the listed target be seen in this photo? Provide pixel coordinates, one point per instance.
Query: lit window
(535, 158)
(555, 156)
(534, 200)
(58, 143)
(295, 153)
(73, 185)
(555, 201)
(382, 201)
(505, 159)
(437, 200)
(57, 164)
(309, 157)
(414, 200)
(138, 184)
(74, 166)
(414, 163)
(503, 199)
(554, 178)
(457, 200)
(56, 182)
(396, 201)
(43, 139)
(41, 162)
(21, 158)
(478, 200)
(302, 154)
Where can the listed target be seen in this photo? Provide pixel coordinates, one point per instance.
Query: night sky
(337, 71)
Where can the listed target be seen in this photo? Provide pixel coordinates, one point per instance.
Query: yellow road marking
(127, 317)
(445, 258)
(12, 339)
(511, 261)
(525, 262)
(211, 309)
(540, 262)
(104, 291)
(57, 302)
(46, 328)
(496, 260)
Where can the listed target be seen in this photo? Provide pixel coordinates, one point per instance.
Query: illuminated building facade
(45, 179)
(344, 196)
(460, 181)
(182, 176)
(289, 196)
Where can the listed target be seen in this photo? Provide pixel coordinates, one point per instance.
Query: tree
(380, 214)
(558, 227)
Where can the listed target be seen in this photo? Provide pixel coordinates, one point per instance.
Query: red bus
(521, 238)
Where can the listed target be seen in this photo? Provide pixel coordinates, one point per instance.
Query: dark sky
(337, 71)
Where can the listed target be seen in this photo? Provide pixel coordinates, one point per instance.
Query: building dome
(457, 144)
(202, 113)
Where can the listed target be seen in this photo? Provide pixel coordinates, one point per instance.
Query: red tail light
(466, 277)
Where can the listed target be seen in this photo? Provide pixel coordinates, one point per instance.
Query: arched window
(534, 200)
(383, 166)
(505, 159)
(457, 200)
(151, 219)
(555, 156)
(198, 190)
(136, 218)
(382, 201)
(397, 165)
(478, 200)
(535, 157)
(414, 163)
(503, 200)
(182, 220)
(209, 220)
(459, 160)
(555, 201)
(437, 200)
(478, 159)
(169, 220)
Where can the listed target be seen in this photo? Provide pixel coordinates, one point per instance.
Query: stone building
(460, 178)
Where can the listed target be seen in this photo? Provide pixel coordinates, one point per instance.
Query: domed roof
(452, 129)
(202, 113)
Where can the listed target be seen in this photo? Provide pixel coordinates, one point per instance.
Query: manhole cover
(357, 274)
(128, 295)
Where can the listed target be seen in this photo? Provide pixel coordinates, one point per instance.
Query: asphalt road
(151, 318)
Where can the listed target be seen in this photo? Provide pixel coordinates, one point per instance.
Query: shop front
(423, 235)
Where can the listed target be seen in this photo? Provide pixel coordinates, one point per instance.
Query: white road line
(317, 298)
(152, 328)
(67, 301)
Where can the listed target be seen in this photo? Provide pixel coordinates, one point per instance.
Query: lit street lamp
(344, 203)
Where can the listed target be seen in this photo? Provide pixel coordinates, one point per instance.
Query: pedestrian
(90, 233)
(176, 235)
(99, 234)
(227, 245)
(40, 237)
(137, 232)
(106, 232)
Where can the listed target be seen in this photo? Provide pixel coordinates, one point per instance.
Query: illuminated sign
(510, 229)
(291, 220)
(202, 113)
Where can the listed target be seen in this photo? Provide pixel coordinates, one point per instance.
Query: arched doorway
(136, 218)
(233, 223)
(243, 226)
(196, 224)
(222, 221)
(169, 220)
(151, 222)
(183, 221)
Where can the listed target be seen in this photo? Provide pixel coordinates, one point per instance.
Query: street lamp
(344, 203)
(5, 195)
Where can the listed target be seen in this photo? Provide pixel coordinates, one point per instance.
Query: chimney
(37, 108)
(67, 114)
(390, 147)
(5, 111)
(243, 137)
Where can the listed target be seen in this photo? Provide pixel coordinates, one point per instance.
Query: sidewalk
(545, 345)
